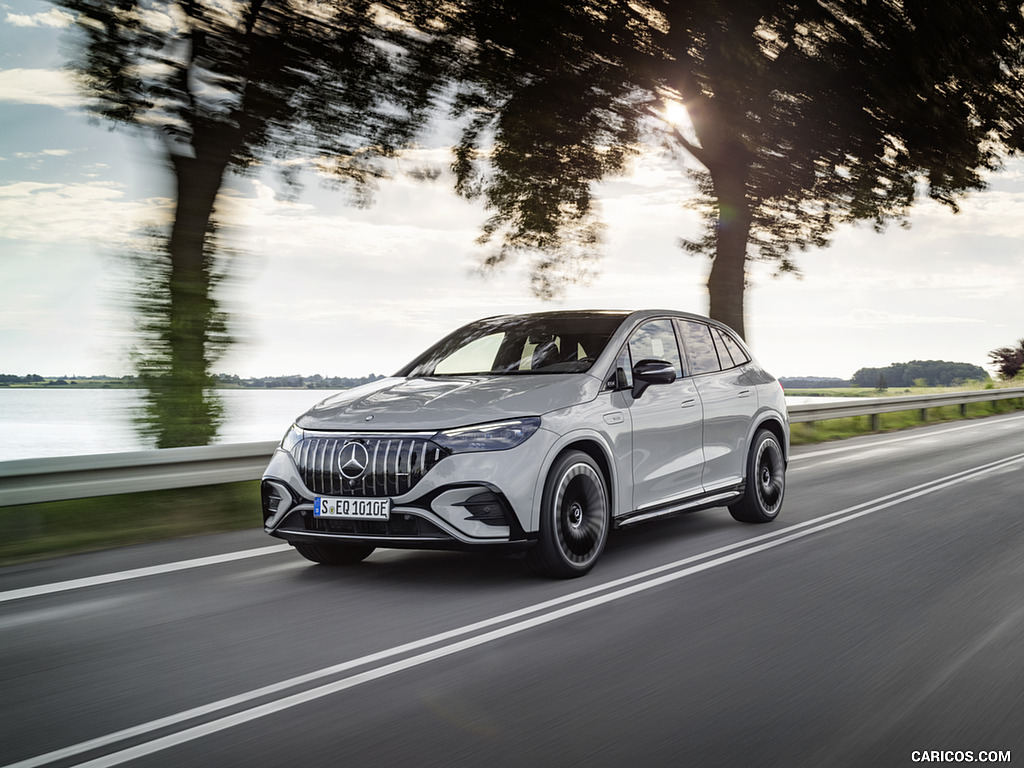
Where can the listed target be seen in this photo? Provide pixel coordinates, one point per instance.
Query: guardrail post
(924, 414)
(876, 422)
(963, 410)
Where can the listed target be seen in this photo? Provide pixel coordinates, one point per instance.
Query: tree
(1009, 361)
(549, 109)
(930, 373)
(227, 87)
(802, 115)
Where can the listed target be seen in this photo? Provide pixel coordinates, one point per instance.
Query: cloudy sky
(322, 287)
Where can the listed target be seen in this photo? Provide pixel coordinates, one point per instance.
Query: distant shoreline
(89, 385)
(222, 381)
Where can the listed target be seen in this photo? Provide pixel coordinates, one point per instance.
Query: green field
(837, 429)
(72, 383)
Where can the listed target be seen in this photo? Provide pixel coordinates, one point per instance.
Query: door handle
(745, 393)
(689, 403)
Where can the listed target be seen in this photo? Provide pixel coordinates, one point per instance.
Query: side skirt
(719, 498)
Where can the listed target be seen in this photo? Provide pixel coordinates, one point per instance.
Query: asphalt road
(882, 615)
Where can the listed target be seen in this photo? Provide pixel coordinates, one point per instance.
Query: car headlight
(497, 436)
(292, 438)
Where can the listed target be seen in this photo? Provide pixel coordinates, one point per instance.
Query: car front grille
(393, 464)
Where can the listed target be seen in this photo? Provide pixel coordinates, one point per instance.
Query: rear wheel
(333, 553)
(575, 518)
(766, 481)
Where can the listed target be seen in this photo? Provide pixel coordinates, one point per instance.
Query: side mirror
(648, 372)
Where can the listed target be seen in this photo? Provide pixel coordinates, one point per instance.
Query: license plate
(352, 509)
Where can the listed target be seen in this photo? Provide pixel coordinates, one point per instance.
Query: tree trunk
(183, 410)
(727, 281)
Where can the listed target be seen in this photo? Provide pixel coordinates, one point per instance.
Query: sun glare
(675, 113)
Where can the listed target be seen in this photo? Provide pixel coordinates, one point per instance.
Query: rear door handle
(745, 393)
(689, 403)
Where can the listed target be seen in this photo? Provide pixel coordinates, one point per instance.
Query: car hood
(449, 401)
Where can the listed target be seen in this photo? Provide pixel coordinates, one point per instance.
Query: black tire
(766, 481)
(333, 553)
(575, 517)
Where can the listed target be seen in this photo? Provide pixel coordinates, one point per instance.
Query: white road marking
(138, 573)
(548, 611)
(247, 576)
(61, 612)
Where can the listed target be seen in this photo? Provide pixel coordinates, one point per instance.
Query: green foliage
(548, 109)
(845, 107)
(803, 115)
(934, 373)
(307, 382)
(812, 382)
(268, 79)
(1009, 361)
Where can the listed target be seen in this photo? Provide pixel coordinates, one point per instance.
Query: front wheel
(333, 553)
(575, 518)
(766, 481)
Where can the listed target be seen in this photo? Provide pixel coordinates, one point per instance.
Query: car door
(729, 399)
(667, 450)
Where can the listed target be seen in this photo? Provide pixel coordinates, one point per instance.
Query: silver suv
(540, 432)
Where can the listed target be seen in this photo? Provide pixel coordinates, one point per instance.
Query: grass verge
(50, 529)
(837, 429)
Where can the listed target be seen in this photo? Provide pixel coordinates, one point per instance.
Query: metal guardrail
(56, 478)
(28, 481)
(872, 406)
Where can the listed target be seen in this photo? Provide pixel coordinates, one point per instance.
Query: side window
(656, 340)
(739, 357)
(700, 347)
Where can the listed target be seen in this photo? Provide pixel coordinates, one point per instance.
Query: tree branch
(697, 151)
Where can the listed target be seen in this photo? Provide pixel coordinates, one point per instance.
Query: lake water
(71, 422)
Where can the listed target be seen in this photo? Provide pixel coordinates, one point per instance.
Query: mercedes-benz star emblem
(352, 460)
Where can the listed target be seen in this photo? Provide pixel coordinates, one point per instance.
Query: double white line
(377, 665)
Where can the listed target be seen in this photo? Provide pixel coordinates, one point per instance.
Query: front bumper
(465, 501)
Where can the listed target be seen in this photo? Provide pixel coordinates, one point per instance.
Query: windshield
(522, 344)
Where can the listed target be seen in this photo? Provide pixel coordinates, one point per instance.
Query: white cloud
(55, 213)
(46, 87)
(989, 213)
(43, 153)
(51, 18)
(882, 319)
